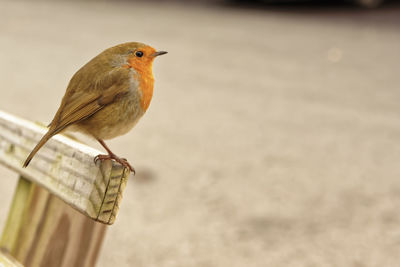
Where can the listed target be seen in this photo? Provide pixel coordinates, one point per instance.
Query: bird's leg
(111, 155)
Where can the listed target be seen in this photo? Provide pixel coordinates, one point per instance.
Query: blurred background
(273, 138)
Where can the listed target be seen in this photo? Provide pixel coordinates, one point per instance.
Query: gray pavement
(273, 138)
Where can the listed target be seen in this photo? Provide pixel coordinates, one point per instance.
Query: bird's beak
(159, 53)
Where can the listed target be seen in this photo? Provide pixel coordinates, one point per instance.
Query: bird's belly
(115, 119)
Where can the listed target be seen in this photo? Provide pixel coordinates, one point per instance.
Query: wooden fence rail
(59, 197)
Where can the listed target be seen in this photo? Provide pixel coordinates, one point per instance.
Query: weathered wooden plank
(49, 232)
(6, 260)
(65, 167)
(17, 210)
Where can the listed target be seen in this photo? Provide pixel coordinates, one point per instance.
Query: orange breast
(144, 75)
(146, 84)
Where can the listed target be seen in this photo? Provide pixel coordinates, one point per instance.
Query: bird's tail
(42, 141)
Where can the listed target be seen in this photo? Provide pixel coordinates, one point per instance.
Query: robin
(106, 97)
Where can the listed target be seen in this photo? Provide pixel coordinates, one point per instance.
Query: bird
(106, 97)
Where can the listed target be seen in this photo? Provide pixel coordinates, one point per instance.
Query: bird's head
(138, 56)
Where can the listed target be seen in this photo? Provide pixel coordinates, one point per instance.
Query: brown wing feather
(76, 111)
(80, 104)
(83, 98)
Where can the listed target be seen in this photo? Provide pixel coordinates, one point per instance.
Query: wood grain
(45, 231)
(6, 260)
(64, 167)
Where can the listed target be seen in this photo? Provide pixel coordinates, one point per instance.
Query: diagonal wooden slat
(64, 167)
(7, 260)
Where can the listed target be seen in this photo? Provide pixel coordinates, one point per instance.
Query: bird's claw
(122, 161)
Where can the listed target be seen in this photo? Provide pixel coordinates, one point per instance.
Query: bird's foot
(122, 161)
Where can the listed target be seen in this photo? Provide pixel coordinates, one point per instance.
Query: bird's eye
(139, 54)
